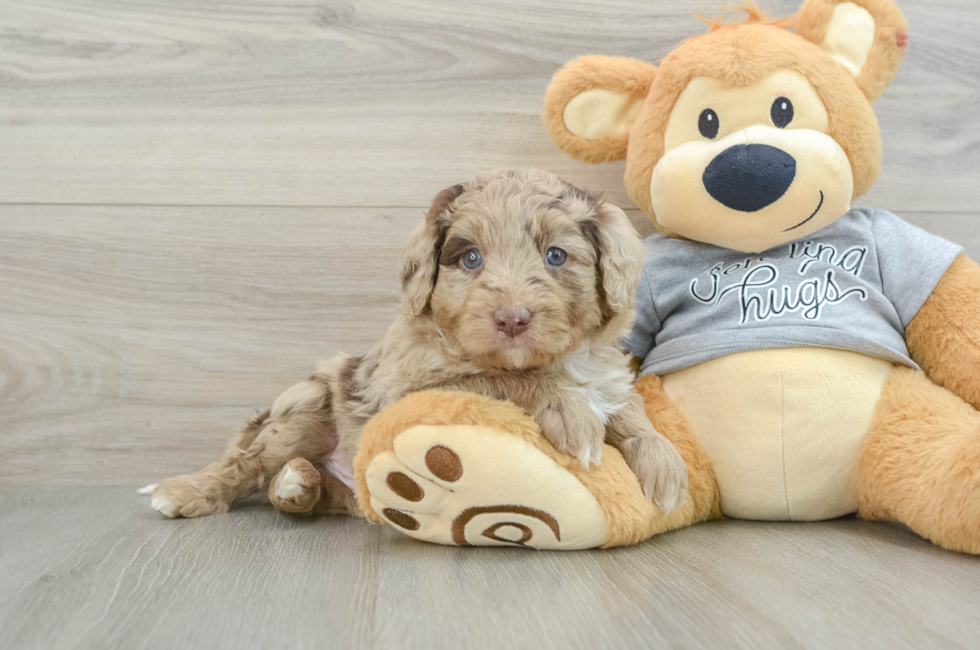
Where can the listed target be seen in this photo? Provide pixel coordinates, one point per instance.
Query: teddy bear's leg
(458, 468)
(632, 520)
(670, 420)
(461, 469)
(920, 464)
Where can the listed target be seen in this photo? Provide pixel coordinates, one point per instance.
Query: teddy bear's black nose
(748, 177)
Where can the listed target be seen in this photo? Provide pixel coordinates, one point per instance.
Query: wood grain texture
(135, 340)
(135, 337)
(96, 568)
(380, 102)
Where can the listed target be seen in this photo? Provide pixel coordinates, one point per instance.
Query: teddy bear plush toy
(807, 359)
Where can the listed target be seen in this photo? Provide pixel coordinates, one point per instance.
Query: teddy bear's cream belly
(783, 427)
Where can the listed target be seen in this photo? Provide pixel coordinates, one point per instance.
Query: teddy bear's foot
(920, 464)
(477, 486)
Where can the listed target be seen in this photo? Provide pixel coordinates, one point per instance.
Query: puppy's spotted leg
(654, 460)
(209, 491)
(299, 424)
(572, 427)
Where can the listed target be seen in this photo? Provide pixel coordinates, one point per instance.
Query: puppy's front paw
(573, 429)
(660, 469)
(181, 496)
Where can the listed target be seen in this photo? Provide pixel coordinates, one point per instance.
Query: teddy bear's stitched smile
(811, 216)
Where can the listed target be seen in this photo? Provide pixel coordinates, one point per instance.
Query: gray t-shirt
(854, 285)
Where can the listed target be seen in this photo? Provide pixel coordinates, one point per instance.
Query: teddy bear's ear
(867, 37)
(591, 104)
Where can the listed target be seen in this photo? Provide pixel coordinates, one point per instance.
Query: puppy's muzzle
(511, 322)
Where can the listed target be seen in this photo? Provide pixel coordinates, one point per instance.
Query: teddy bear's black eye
(472, 259)
(555, 256)
(781, 112)
(708, 123)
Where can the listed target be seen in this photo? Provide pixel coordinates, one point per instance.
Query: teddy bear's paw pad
(477, 486)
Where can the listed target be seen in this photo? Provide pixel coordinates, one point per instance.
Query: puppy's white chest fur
(602, 377)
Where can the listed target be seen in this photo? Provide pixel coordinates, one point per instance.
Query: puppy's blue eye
(472, 259)
(555, 256)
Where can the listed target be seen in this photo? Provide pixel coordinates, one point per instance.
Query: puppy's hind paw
(164, 507)
(296, 488)
(180, 497)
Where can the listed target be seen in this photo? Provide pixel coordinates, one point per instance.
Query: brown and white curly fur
(526, 324)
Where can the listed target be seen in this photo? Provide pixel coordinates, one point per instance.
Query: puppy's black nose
(511, 322)
(748, 177)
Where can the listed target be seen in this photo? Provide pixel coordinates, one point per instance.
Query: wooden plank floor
(383, 102)
(95, 568)
(198, 199)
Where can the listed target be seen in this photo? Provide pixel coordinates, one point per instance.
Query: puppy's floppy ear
(591, 104)
(867, 37)
(619, 256)
(420, 259)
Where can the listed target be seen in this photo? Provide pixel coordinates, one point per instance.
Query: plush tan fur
(630, 517)
(944, 337)
(738, 54)
(887, 50)
(669, 419)
(821, 189)
(741, 54)
(564, 368)
(920, 462)
(618, 74)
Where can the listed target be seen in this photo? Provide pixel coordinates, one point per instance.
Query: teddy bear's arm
(944, 337)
